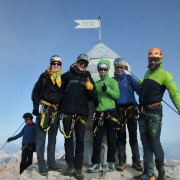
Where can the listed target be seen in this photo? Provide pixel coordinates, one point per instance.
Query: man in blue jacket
(28, 142)
(126, 107)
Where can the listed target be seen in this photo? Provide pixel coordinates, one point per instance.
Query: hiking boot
(43, 172)
(92, 168)
(55, 168)
(79, 174)
(121, 166)
(144, 177)
(111, 166)
(137, 166)
(70, 171)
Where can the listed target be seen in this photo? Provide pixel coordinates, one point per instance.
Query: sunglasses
(102, 69)
(54, 63)
(155, 59)
(81, 62)
(119, 67)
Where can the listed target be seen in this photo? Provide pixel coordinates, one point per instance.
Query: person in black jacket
(28, 142)
(77, 88)
(46, 97)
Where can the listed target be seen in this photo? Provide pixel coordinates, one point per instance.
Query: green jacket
(154, 85)
(107, 99)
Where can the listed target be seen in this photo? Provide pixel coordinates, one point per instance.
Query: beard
(153, 67)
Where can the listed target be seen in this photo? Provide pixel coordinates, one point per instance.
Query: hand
(89, 85)
(36, 112)
(10, 139)
(104, 88)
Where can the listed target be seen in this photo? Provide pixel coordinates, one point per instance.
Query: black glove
(10, 139)
(104, 88)
(36, 112)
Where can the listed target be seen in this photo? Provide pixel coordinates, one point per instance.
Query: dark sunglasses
(119, 67)
(54, 63)
(102, 69)
(155, 59)
(81, 62)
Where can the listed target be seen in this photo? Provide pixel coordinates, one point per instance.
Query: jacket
(47, 91)
(107, 99)
(154, 85)
(75, 96)
(127, 91)
(29, 134)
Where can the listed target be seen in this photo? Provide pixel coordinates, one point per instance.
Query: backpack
(43, 85)
(130, 81)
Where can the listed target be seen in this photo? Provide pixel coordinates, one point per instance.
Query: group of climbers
(116, 109)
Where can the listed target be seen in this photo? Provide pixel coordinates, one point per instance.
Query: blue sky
(31, 31)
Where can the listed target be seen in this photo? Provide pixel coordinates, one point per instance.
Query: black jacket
(44, 89)
(75, 96)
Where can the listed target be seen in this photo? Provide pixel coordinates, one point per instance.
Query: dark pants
(40, 144)
(150, 130)
(26, 158)
(121, 140)
(79, 129)
(110, 126)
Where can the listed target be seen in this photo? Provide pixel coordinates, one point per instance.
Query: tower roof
(100, 51)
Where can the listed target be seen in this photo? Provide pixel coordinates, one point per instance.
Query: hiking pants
(26, 158)
(110, 126)
(121, 140)
(150, 131)
(40, 144)
(79, 129)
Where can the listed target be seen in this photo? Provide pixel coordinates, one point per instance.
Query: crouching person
(28, 142)
(45, 97)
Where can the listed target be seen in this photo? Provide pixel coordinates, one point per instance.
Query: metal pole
(99, 29)
(12, 135)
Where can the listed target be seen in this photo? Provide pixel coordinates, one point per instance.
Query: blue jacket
(28, 133)
(126, 91)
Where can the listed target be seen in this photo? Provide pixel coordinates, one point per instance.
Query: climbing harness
(98, 121)
(48, 114)
(74, 118)
(143, 109)
(125, 114)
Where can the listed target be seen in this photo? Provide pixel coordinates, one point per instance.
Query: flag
(88, 23)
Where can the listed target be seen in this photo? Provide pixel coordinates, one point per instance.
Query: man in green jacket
(156, 81)
(106, 116)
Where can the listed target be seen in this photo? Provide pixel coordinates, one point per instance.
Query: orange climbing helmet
(155, 52)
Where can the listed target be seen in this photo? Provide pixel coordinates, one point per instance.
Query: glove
(10, 139)
(89, 85)
(36, 112)
(104, 88)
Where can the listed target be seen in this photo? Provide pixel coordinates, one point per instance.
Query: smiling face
(120, 69)
(56, 66)
(102, 71)
(82, 65)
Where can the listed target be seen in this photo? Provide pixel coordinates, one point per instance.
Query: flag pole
(99, 29)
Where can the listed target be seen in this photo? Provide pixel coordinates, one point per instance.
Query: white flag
(88, 23)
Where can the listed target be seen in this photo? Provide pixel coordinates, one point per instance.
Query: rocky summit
(10, 171)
